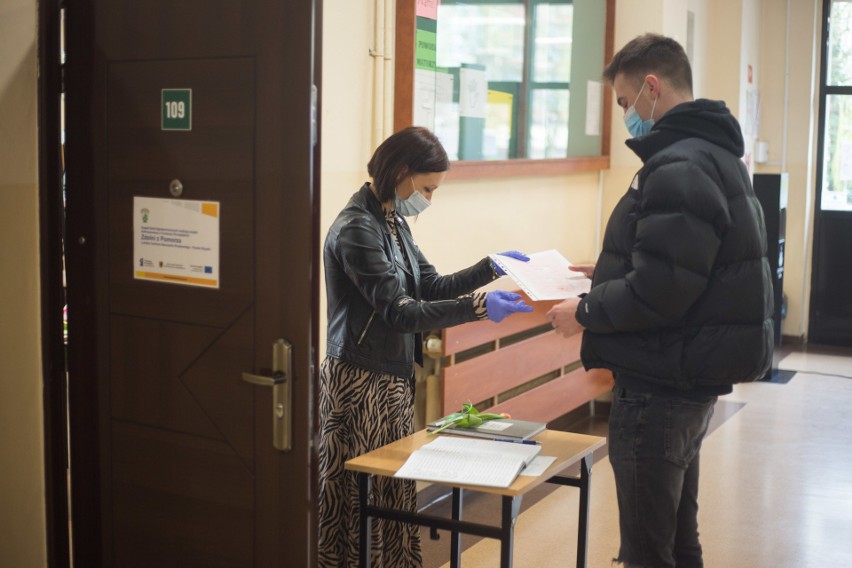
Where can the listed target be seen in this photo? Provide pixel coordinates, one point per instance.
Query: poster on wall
(428, 9)
(424, 70)
(594, 96)
(176, 241)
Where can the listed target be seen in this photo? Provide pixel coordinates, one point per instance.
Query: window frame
(483, 169)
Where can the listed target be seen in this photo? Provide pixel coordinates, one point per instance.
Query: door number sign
(176, 109)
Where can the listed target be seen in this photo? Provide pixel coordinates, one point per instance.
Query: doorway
(192, 248)
(831, 295)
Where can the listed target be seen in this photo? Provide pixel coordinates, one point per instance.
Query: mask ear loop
(639, 94)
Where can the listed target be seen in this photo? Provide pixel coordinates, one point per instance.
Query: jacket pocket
(366, 328)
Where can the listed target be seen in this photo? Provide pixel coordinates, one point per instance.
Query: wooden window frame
(403, 111)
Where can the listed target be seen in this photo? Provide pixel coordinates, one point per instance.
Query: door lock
(282, 395)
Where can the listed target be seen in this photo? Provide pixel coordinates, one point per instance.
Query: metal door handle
(263, 380)
(282, 396)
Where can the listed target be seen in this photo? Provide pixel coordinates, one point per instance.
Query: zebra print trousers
(360, 411)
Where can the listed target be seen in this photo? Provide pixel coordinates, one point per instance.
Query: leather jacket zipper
(366, 327)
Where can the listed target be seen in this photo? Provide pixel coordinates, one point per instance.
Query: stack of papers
(467, 461)
(545, 276)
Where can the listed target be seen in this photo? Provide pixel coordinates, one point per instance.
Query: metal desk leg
(583, 525)
(363, 520)
(455, 536)
(511, 507)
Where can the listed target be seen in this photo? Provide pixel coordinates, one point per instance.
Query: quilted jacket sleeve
(680, 216)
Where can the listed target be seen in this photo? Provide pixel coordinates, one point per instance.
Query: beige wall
(791, 135)
(22, 506)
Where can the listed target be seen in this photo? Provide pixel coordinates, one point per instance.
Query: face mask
(634, 123)
(414, 205)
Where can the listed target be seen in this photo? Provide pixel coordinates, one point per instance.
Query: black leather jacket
(376, 306)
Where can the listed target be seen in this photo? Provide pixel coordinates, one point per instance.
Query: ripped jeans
(654, 444)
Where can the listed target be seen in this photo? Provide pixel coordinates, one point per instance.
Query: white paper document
(467, 461)
(545, 276)
(538, 466)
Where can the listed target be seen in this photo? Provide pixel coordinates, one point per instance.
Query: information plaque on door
(176, 241)
(176, 109)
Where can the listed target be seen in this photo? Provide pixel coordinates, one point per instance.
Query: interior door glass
(837, 154)
(840, 44)
(837, 142)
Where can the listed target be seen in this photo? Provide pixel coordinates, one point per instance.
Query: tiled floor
(776, 484)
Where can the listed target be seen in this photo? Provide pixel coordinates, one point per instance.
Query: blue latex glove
(499, 304)
(511, 253)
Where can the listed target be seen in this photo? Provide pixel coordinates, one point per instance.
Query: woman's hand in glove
(499, 304)
(512, 254)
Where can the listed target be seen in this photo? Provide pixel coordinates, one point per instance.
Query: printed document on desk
(468, 461)
(545, 276)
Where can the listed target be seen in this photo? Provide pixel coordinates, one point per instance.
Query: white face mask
(414, 205)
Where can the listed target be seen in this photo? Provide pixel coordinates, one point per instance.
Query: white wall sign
(473, 93)
(594, 96)
(176, 241)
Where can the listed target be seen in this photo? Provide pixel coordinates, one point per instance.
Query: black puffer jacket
(682, 291)
(376, 306)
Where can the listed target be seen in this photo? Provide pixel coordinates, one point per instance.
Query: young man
(681, 303)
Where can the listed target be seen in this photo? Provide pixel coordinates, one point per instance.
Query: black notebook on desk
(505, 429)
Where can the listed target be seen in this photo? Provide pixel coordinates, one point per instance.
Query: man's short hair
(652, 54)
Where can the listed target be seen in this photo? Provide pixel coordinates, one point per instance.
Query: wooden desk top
(567, 447)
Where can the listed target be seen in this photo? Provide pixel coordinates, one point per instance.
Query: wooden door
(172, 457)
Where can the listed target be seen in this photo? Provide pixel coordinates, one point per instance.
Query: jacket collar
(702, 118)
(365, 199)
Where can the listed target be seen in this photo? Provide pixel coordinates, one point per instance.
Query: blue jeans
(654, 444)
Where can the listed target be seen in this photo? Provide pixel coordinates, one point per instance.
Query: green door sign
(176, 109)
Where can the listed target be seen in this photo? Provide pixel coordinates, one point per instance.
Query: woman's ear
(402, 178)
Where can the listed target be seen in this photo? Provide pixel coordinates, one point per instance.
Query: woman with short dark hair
(382, 294)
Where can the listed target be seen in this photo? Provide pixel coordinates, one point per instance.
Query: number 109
(175, 109)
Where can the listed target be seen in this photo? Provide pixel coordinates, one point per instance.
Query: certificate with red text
(545, 276)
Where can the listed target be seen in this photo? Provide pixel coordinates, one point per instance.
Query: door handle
(282, 395)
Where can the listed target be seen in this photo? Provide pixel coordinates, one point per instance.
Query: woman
(382, 293)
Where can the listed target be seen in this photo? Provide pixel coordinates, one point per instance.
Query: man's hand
(586, 269)
(562, 317)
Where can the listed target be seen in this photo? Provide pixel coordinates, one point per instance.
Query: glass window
(836, 194)
(548, 137)
(552, 43)
(840, 44)
(502, 77)
(837, 154)
(486, 34)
